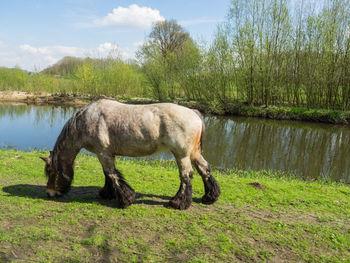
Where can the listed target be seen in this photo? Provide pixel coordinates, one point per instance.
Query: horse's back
(137, 130)
(171, 114)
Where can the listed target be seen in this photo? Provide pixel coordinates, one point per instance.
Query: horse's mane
(66, 130)
(69, 131)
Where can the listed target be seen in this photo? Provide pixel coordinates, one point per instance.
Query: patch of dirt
(15, 253)
(257, 185)
(3, 257)
(21, 97)
(43, 98)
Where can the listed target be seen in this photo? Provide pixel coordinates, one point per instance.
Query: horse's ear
(47, 160)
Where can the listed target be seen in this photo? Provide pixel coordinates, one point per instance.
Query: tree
(87, 76)
(164, 58)
(64, 67)
(168, 36)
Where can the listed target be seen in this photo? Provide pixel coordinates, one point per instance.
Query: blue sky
(37, 33)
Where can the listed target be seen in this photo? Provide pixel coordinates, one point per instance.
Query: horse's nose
(52, 192)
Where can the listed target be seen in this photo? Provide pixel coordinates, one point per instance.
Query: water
(310, 150)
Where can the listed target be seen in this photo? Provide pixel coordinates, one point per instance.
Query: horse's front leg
(183, 198)
(115, 184)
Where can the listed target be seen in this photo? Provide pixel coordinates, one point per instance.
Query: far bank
(231, 109)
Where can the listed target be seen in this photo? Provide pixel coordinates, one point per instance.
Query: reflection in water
(306, 149)
(31, 127)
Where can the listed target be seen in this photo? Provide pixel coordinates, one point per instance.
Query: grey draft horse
(109, 128)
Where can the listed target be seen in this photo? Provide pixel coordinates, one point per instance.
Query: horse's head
(58, 183)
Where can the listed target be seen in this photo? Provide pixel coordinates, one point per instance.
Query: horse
(109, 128)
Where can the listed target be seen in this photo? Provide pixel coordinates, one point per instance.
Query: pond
(309, 150)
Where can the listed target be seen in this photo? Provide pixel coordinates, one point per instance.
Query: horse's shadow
(83, 194)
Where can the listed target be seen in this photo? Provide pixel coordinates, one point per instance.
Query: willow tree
(294, 52)
(259, 30)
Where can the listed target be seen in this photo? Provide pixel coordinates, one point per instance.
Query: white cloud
(30, 58)
(106, 47)
(52, 50)
(28, 48)
(133, 16)
(138, 44)
(2, 44)
(37, 58)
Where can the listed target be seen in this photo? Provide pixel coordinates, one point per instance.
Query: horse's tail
(203, 129)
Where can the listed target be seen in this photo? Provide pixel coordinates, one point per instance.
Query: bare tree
(169, 36)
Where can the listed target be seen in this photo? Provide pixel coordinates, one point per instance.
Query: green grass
(288, 221)
(290, 113)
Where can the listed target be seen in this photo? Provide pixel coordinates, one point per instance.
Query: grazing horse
(109, 128)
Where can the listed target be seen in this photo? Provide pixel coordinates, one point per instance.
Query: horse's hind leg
(211, 186)
(183, 198)
(115, 184)
(107, 191)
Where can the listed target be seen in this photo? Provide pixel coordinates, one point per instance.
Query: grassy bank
(290, 113)
(280, 220)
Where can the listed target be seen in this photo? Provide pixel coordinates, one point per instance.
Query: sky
(37, 33)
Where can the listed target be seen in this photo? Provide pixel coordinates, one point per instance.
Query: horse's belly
(139, 149)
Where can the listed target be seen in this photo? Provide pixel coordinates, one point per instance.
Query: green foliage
(88, 79)
(109, 77)
(65, 67)
(13, 78)
(112, 77)
(290, 113)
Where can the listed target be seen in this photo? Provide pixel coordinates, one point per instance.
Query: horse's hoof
(212, 196)
(53, 193)
(126, 202)
(180, 202)
(212, 191)
(208, 199)
(126, 196)
(105, 194)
